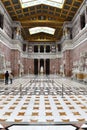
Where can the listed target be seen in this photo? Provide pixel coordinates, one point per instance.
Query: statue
(41, 70)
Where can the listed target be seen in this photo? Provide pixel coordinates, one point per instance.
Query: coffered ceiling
(42, 15)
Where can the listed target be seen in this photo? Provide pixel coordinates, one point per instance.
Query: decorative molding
(67, 45)
(80, 38)
(4, 12)
(79, 12)
(41, 56)
(17, 45)
(4, 39)
(7, 41)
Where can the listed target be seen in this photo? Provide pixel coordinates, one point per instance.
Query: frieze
(41, 56)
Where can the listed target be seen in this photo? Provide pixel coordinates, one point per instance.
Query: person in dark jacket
(6, 77)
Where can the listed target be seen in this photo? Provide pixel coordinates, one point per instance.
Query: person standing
(6, 77)
(11, 77)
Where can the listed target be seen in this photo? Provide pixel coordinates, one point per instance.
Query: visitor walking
(6, 77)
(11, 78)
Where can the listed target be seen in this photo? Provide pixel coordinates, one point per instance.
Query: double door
(45, 63)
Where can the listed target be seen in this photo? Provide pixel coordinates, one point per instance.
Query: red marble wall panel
(76, 52)
(31, 65)
(5, 51)
(52, 66)
(28, 66)
(70, 56)
(67, 62)
(57, 65)
(15, 62)
(6, 63)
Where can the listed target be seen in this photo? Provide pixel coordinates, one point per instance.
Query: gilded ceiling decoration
(41, 14)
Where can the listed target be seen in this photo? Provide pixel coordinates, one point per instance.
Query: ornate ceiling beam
(47, 16)
(41, 21)
(39, 40)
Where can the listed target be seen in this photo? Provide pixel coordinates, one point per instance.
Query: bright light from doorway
(54, 3)
(36, 30)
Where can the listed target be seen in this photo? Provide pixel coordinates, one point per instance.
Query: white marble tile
(44, 86)
(42, 127)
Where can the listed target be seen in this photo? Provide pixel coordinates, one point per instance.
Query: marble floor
(43, 85)
(43, 99)
(42, 127)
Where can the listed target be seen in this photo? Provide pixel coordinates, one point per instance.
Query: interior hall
(43, 64)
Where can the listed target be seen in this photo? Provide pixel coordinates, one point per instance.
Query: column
(56, 48)
(27, 48)
(63, 33)
(44, 66)
(86, 14)
(38, 48)
(66, 32)
(44, 48)
(79, 27)
(17, 32)
(38, 66)
(67, 63)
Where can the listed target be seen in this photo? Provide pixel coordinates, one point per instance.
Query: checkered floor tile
(43, 100)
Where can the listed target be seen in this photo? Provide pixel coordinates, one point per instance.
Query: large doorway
(42, 64)
(47, 66)
(36, 66)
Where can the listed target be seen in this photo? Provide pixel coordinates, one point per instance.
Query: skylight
(36, 30)
(54, 3)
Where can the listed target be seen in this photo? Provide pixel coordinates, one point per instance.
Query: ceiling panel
(42, 15)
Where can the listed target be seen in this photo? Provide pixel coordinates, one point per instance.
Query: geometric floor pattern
(43, 100)
(43, 85)
(43, 108)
